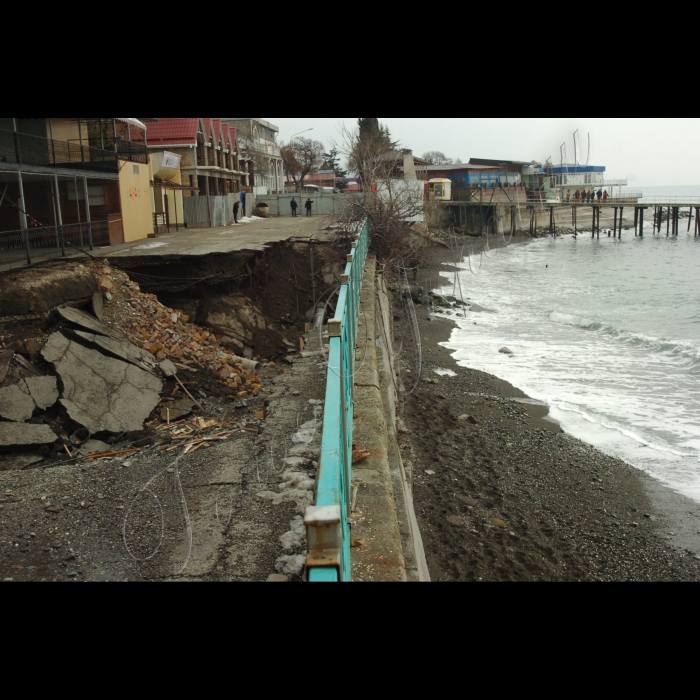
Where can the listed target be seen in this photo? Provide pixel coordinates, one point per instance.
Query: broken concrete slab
(28, 366)
(178, 409)
(18, 462)
(44, 391)
(5, 362)
(98, 305)
(89, 323)
(94, 447)
(25, 435)
(168, 368)
(16, 404)
(123, 349)
(101, 393)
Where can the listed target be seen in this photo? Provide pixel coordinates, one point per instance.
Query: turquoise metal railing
(328, 527)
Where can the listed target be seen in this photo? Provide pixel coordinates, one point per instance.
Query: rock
(18, 462)
(5, 362)
(456, 520)
(44, 391)
(498, 522)
(278, 578)
(467, 419)
(52, 509)
(16, 404)
(505, 351)
(168, 368)
(178, 409)
(101, 393)
(123, 349)
(25, 435)
(88, 323)
(98, 305)
(94, 447)
(430, 472)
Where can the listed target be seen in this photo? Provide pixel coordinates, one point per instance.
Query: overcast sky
(645, 151)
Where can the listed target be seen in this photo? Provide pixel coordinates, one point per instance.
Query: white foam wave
(635, 437)
(678, 349)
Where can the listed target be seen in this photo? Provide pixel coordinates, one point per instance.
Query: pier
(542, 215)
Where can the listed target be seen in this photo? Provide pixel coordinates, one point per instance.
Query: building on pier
(576, 177)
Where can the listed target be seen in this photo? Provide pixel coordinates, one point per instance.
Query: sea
(606, 332)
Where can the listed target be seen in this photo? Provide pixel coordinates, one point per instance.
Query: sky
(648, 152)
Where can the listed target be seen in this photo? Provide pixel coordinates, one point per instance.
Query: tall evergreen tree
(369, 126)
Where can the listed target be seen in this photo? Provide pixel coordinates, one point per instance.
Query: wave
(626, 432)
(678, 349)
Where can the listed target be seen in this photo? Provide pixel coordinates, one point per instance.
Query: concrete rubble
(99, 392)
(25, 435)
(16, 404)
(43, 390)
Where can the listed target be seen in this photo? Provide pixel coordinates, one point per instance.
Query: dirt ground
(502, 494)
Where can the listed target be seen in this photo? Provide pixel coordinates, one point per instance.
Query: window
(137, 170)
(460, 182)
(96, 193)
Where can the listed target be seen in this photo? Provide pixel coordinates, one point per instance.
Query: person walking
(568, 196)
(600, 195)
(309, 206)
(295, 206)
(605, 197)
(577, 196)
(236, 209)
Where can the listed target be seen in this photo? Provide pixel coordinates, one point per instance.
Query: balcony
(22, 149)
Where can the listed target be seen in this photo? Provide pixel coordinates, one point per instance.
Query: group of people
(308, 206)
(583, 197)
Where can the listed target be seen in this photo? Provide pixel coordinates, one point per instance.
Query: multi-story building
(257, 138)
(192, 157)
(77, 180)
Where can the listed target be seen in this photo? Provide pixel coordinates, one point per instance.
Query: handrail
(328, 522)
(26, 149)
(652, 199)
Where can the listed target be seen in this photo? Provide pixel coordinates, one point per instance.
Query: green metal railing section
(327, 523)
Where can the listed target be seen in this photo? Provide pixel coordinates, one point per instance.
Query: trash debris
(359, 455)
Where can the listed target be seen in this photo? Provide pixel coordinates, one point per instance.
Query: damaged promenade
(161, 407)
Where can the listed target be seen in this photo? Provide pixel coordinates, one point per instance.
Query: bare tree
(393, 206)
(437, 158)
(301, 157)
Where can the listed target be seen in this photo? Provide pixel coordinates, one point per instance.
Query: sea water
(606, 332)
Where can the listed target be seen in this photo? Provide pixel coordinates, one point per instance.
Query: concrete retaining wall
(385, 528)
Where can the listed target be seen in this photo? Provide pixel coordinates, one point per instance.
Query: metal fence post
(60, 217)
(23, 217)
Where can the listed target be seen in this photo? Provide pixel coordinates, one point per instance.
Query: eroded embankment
(247, 431)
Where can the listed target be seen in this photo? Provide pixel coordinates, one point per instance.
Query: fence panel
(18, 248)
(328, 528)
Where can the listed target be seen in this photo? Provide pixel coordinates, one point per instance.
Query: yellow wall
(136, 199)
(64, 130)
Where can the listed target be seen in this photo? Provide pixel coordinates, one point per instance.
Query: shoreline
(507, 495)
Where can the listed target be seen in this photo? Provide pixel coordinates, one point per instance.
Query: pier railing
(671, 201)
(327, 523)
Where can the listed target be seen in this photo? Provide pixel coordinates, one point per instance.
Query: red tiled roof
(173, 131)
